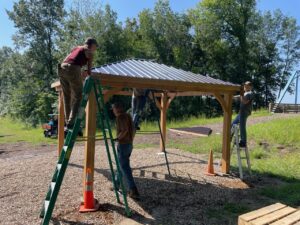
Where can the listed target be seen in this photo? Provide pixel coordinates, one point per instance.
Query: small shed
(119, 77)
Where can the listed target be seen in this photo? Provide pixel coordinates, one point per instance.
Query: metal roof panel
(148, 69)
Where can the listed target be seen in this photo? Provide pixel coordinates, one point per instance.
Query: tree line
(225, 39)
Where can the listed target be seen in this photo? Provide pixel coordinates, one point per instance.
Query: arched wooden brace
(163, 105)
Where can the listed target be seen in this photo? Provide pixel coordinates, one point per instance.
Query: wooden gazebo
(169, 81)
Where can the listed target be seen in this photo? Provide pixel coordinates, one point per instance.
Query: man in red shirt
(70, 75)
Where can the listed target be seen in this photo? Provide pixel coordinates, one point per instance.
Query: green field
(13, 131)
(274, 147)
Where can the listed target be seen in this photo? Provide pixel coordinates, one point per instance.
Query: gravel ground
(184, 198)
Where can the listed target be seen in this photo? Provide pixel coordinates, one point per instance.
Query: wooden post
(226, 133)
(163, 118)
(61, 122)
(90, 133)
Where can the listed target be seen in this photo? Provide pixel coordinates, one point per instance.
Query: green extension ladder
(63, 161)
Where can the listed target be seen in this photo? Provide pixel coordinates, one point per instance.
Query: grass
(13, 131)
(287, 193)
(229, 210)
(193, 121)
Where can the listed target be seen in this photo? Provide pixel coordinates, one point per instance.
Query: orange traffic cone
(89, 203)
(210, 165)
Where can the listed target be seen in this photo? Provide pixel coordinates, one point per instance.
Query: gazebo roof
(140, 73)
(140, 68)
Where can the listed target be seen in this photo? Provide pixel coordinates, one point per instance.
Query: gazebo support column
(226, 103)
(163, 106)
(61, 122)
(90, 133)
(163, 119)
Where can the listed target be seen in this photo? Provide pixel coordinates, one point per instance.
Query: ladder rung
(46, 205)
(58, 166)
(65, 148)
(52, 186)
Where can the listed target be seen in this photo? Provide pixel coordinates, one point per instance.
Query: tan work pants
(71, 83)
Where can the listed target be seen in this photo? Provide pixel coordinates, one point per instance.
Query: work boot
(134, 193)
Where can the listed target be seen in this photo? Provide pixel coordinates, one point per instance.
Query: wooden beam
(61, 123)
(144, 83)
(90, 133)
(226, 133)
(163, 119)
(107, 94)
(56, 85)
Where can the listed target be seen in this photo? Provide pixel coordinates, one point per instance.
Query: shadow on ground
(181, 200)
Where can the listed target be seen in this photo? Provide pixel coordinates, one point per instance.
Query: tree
(38, 24)
(241, 44)
(221, 29)
(276, 52)
(166, 35)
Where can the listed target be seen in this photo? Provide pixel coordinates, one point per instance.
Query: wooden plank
(243, 219)
(125, 81)
(179, 93)
(157, 94)
(90, 133)
(57, 86)
(197, 131)
(226, 134)
(61, 123)
(271, 217)
(163, 119)
(288, 220)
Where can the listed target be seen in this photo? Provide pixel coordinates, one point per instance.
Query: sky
(131, 8)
